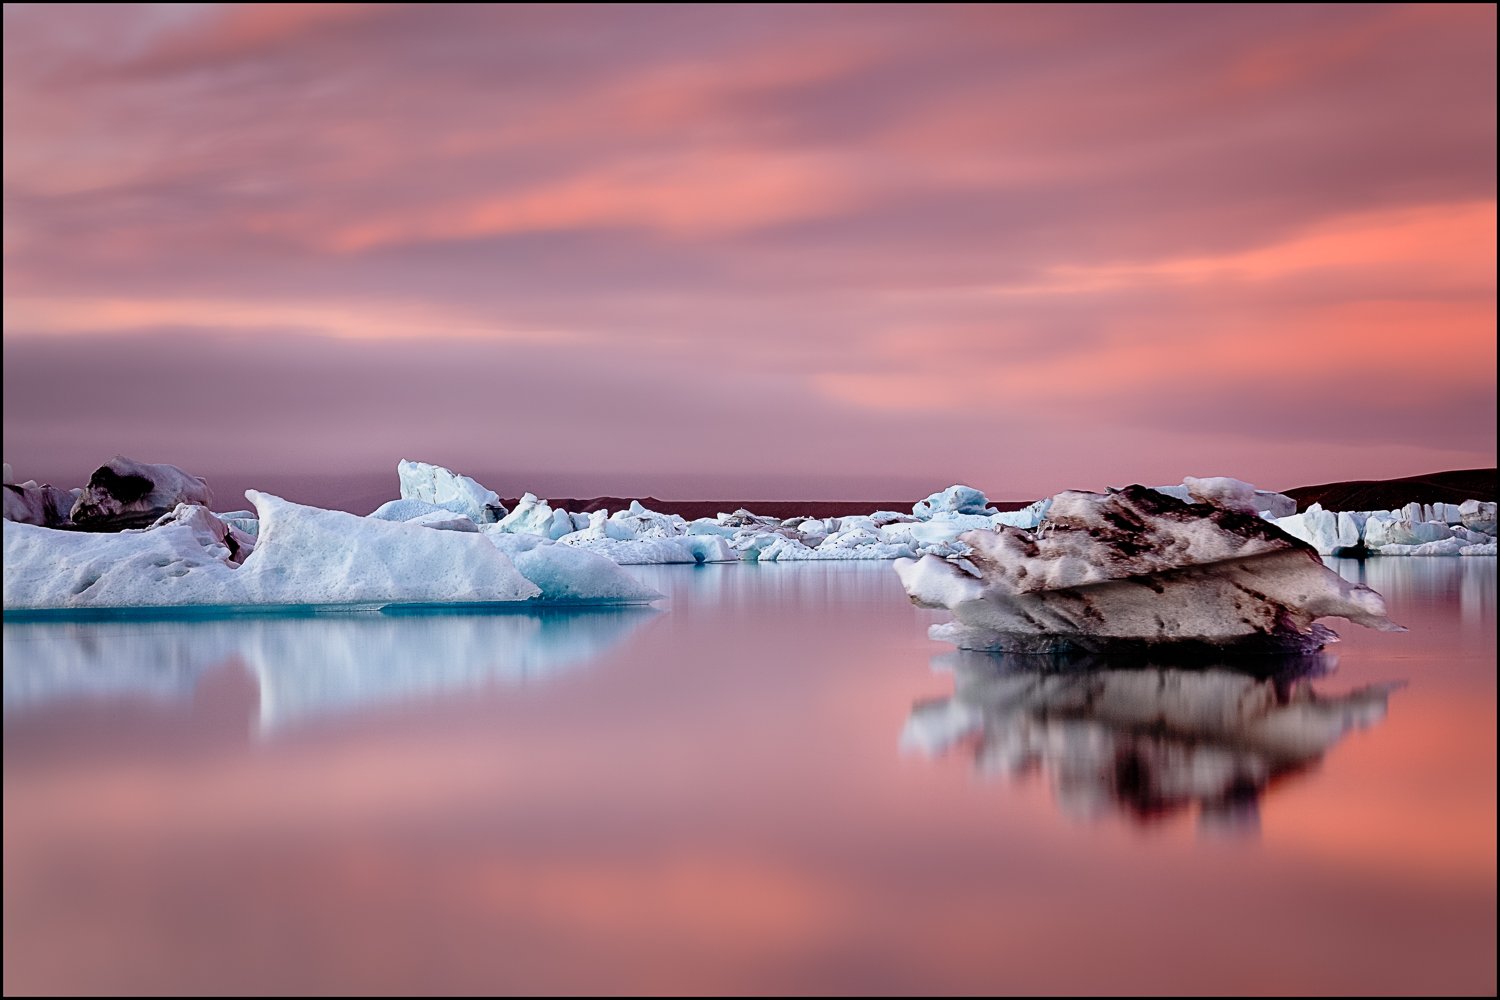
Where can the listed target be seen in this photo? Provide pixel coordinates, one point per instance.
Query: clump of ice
(1136, 565)
(444, 488)
(304, 556)
(954, 500)
(127, 493)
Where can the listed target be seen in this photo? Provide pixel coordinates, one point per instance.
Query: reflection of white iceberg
(307, 667)
(1146, 741)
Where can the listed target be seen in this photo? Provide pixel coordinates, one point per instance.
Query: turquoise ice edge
(212, 611)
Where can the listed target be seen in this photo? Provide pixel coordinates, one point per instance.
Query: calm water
(775, 784)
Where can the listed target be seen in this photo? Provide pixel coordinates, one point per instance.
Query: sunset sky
(819, 252)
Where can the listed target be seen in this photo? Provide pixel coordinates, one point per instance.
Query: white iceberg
(428, 515)
(567, 572)
(534, 516)
(447, 489)
(954, 500)
(303, 556)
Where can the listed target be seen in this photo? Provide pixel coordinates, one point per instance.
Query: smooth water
(775, 784)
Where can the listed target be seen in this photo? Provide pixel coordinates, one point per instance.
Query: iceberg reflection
(308, 667)
(1143, 739)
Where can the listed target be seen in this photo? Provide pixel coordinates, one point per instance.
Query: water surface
(776, 783)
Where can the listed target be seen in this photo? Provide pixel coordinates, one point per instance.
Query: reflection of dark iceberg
(306, 667)
(1144, 738)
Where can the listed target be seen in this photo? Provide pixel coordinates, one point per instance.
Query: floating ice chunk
(1385, 530)
(638, 522)
(1330, 532)
(1027, 517)
(953, 500)
(1231, 494)
(534, 516)
(1477, 515)
(856, 543)
(1451, 546)
(568, 572)
(124, 493)
(210, 530)
(652, 551)
(405, 509)
(428, 515)
(710, 526)
(43, 505)
(1135, 565)
(304, 556)
(449, 490)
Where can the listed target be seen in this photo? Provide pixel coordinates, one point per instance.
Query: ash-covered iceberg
(124, 493)
(1236, 494)
(38, 503)
(1136, 566)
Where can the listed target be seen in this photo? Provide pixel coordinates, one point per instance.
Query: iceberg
(1137, 566)
(444, 488)
(30, 503)
(1232, 494)
(1437, 529)
(567, 572)
(1477, 516)
(428, 515)
(1145, 741)
(303, 556)
(124, 493)
(953, 500)
(534, 516)
(689, 549)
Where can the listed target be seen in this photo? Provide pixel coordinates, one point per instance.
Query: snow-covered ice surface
(1136, 566)
(1145, 740)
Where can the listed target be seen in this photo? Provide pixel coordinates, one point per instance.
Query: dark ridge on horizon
(1453, 486)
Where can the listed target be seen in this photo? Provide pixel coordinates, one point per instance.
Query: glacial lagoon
(772, 781)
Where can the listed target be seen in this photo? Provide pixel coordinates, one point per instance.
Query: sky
(774, 251)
